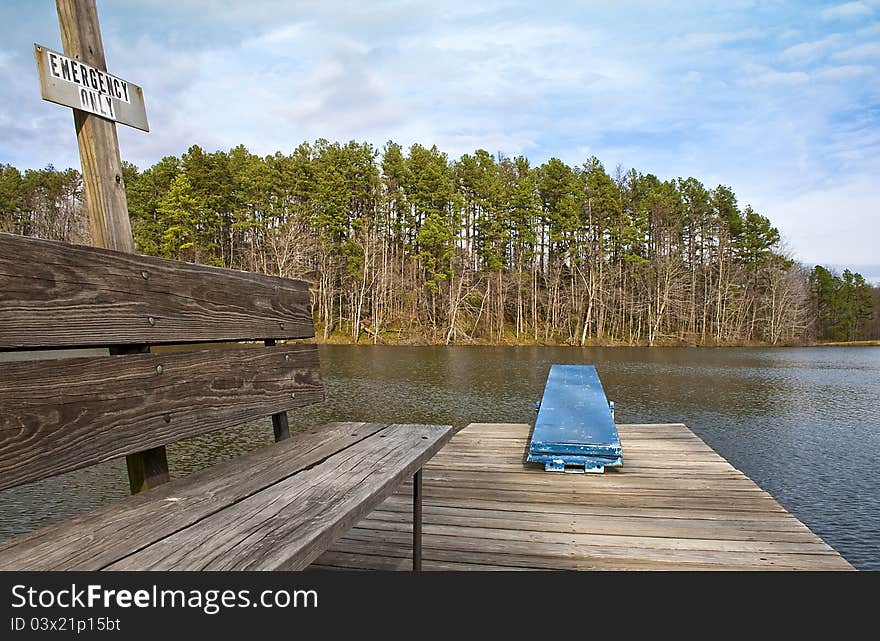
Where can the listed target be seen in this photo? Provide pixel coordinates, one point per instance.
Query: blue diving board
(575, 430)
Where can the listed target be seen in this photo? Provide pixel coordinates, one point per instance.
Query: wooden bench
(278, 507)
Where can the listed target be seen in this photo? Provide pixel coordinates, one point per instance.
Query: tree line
(410, 245)
(844, 305)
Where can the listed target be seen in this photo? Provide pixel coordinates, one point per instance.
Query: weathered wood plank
(711, 513)
(287, 525)
(674, 446)
(347, 561)
(561, 552)
(61, 415)
(368, 543)
(632, 471)
(608, 499)
(729, 529)
(645, 458)
(94, 540)
(588, 493)
(540, 480)
(603, 540)
(477, 461)
(55, 295)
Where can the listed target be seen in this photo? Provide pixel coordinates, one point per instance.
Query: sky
(779, 100)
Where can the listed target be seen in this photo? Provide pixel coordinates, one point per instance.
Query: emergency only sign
(69, 82)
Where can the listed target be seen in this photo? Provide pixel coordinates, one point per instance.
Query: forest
(410, 246)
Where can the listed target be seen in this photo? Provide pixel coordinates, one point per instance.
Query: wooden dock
(674, 505)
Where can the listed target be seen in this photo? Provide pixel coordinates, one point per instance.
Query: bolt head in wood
(159, 369)
(152, 320)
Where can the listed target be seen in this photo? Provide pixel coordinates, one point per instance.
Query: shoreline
(367, 339)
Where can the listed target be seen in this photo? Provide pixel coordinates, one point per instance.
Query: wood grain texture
(574, 556)
(61, 415)
(675, 504)
(771, 530)
(348, 562)
(94, 540)
(148, 468)
(60, 295)
(98, 142)
(287, 525)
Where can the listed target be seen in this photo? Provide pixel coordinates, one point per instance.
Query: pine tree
(179, 213)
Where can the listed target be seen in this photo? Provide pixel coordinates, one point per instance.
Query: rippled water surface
(804, 423)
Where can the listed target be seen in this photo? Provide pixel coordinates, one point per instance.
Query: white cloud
(714, 39)
(861, 52)
(759, 75)
(808, 51)
(284, 35)
(847, 11)
(504, 38)
(465, 143)
(836, 224)
(844, 73)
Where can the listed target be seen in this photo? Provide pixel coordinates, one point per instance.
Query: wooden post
(103, 188)
(98, 143)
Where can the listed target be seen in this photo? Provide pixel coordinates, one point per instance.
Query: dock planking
(675, 505)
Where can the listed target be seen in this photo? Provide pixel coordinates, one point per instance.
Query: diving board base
(572, 464)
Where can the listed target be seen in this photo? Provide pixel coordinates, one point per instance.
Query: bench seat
(278, 507)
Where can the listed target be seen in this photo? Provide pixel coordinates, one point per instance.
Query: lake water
(803, 423)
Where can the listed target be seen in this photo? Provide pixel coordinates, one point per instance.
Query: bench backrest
(58, 415)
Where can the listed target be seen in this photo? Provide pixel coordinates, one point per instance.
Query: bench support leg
(280, 426)
(417, 521)
(149, 468)
(279, 421)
